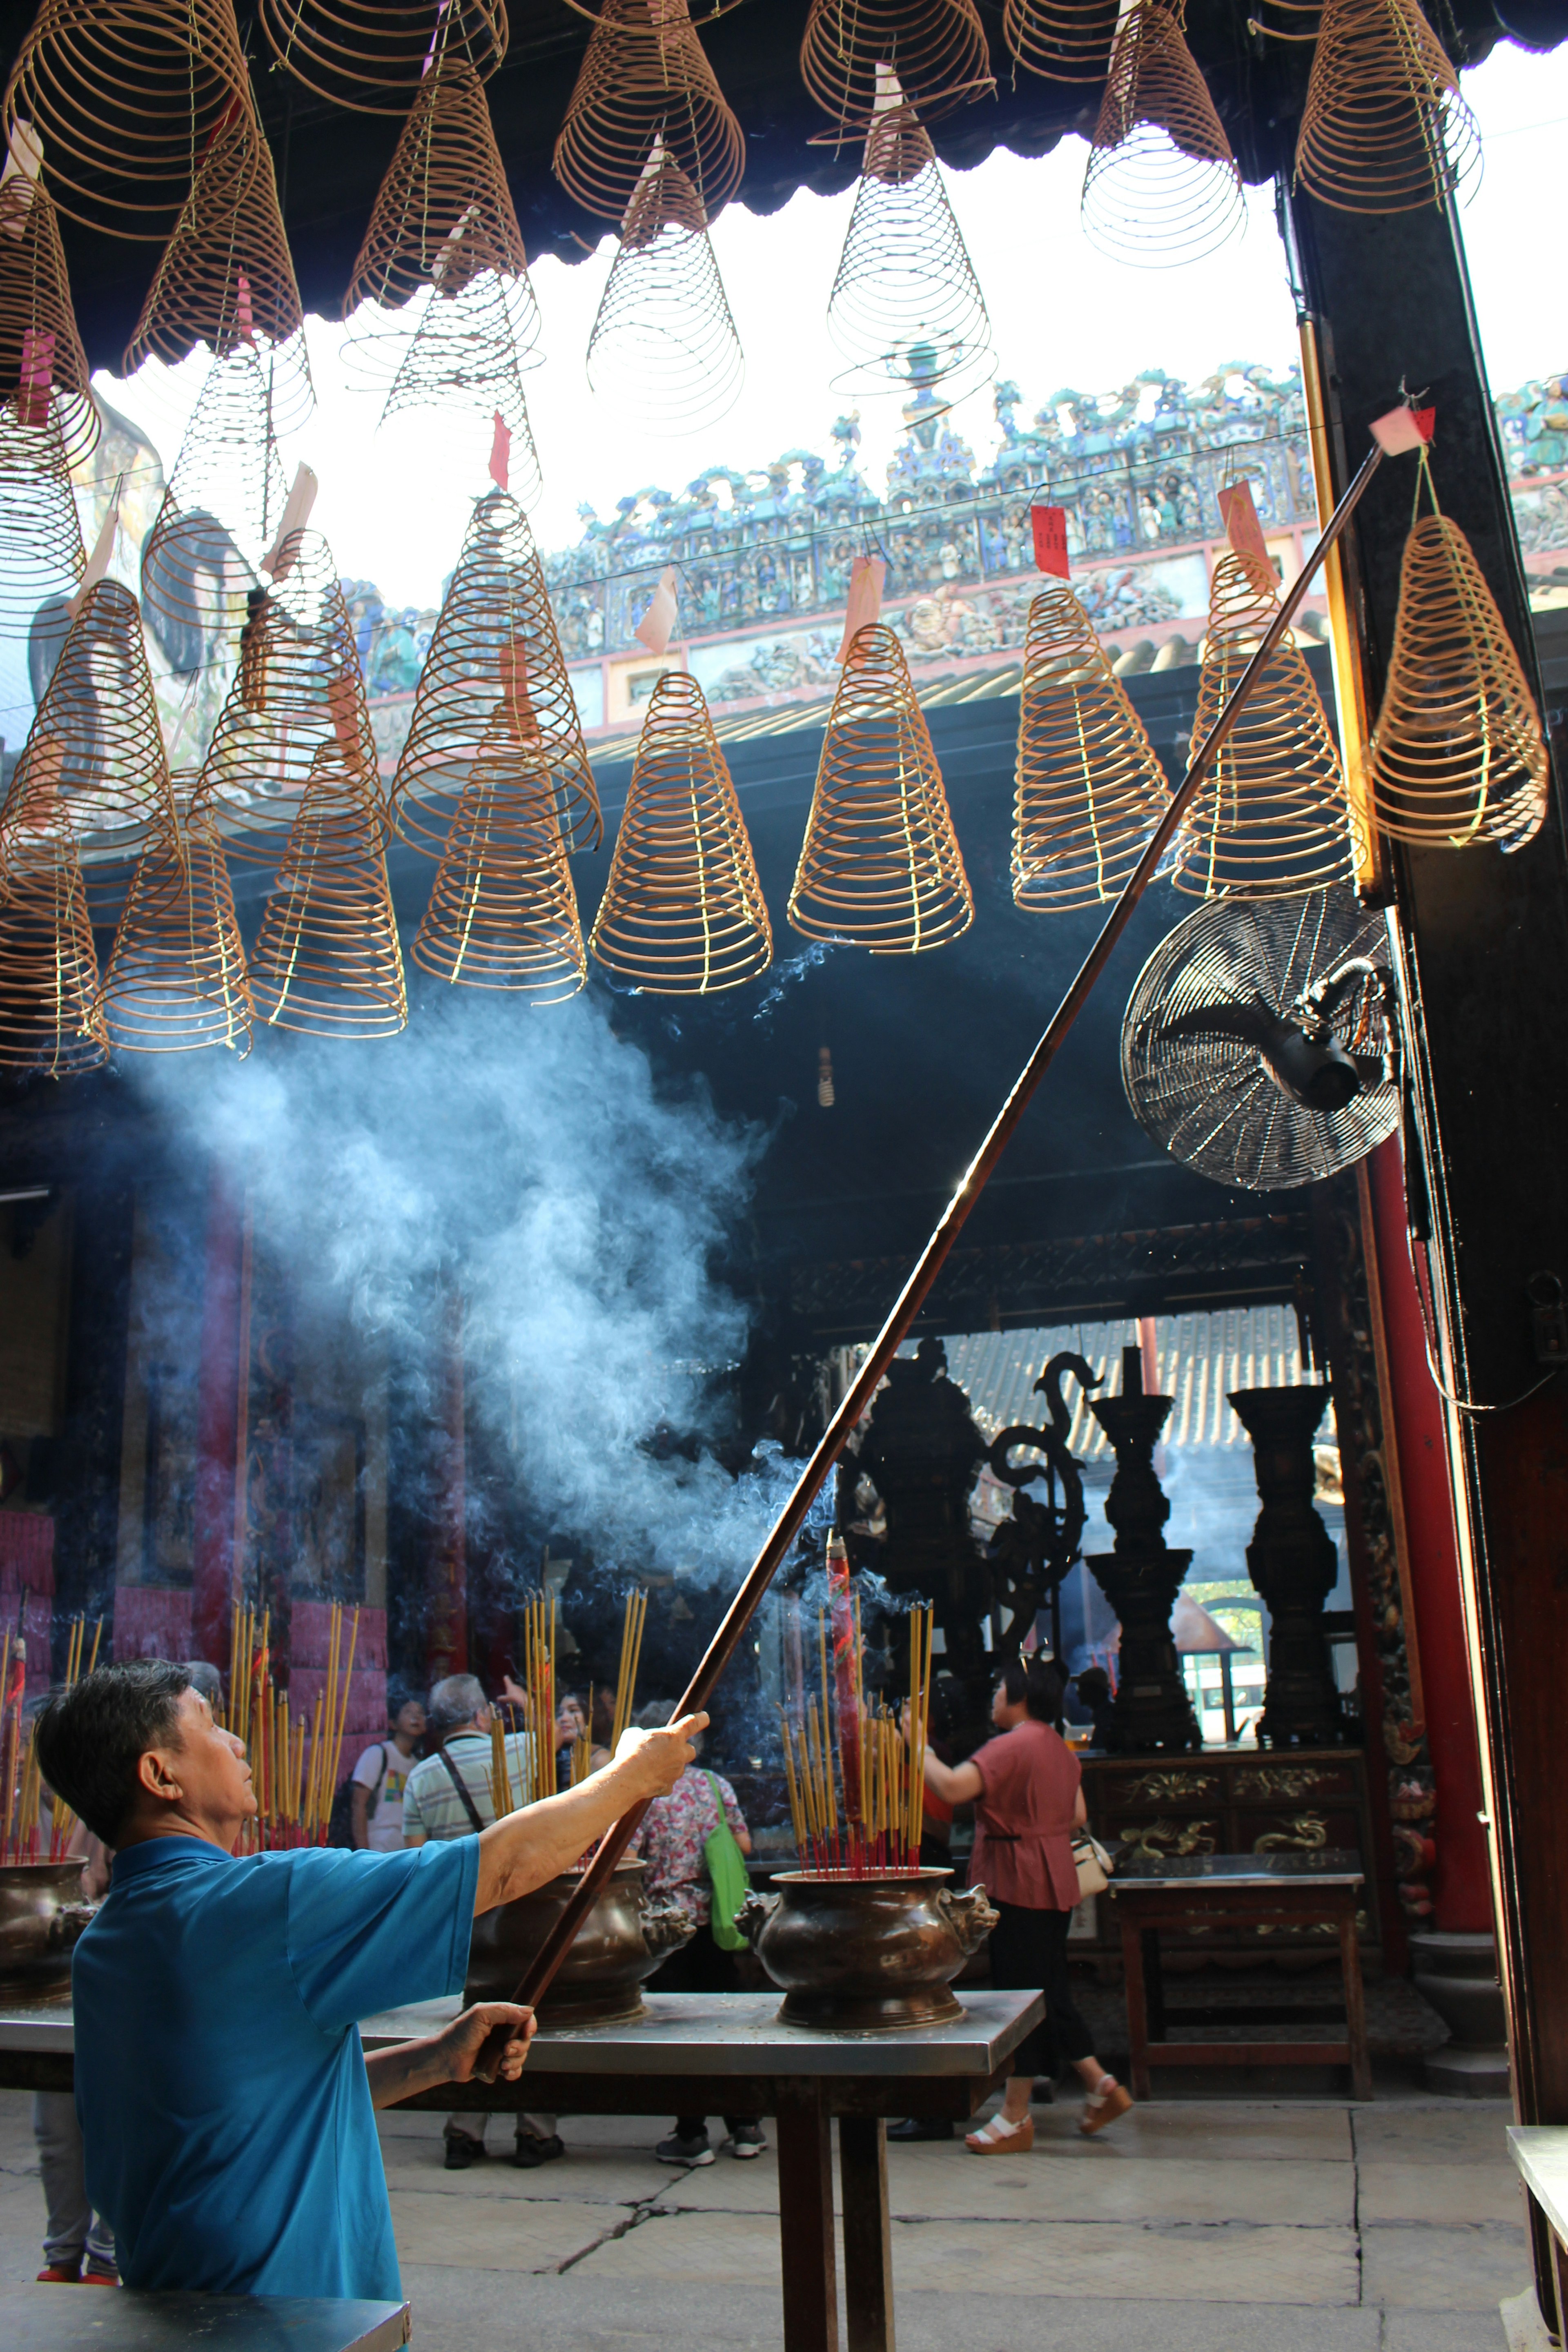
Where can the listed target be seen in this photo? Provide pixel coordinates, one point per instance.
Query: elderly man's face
(202, 1774)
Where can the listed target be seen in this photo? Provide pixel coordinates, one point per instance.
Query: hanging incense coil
(682, 913)
(881, 863)
(1384, 129)
(936, 47)
(495, 655)
(125, 94)
(502, 911)
(462, 357)
(176, 979)
(645, 77)
(664, 345)
(1273, 816)
(1064, 41)
(42, 362)
(374, 59)
(1161, 184)
(221, 509)
(327, 960)
(1089, 788)
(49, 1019)
(41, 554)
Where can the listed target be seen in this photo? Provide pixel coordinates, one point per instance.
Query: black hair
(91, 1737)
(1036, 1685)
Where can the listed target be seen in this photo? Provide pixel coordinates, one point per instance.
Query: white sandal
(999, 2137)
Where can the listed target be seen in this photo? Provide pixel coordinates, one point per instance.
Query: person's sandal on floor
(1102, 2107)
(1000, 2137)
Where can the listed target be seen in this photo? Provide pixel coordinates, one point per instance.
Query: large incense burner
(41, 1915)
(852, 1953)
(620, 1943)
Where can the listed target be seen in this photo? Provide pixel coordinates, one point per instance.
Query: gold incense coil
(1089, 788)
(41, 554)
(50, 1020)
(881, 863)
(327, 960)
(502, 911)
(176, 979)
(1457, 753)
(682, 913)
(645, 77)
(1384, 129)
(495, 653)
(1065, 40)
(664, 344)
(125, 94)
(372, 57)
(936, 47)
(462, 355)
(221, 509)
(1273, 816)
(1162, 183)
(34, 300)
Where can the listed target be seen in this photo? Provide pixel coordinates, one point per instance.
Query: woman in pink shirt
(1024, 1787)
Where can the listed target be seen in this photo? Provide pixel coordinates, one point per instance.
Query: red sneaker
(57, 2275)
(98, 2278)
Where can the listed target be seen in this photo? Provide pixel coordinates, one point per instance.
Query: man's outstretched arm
(448, 2056)
(535, 1844)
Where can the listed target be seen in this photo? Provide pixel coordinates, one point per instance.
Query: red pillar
(219, 1437)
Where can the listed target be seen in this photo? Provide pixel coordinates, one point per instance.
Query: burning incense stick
(627, 1679)
(841, 1754)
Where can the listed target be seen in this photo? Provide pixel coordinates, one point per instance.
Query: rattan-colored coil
(462, 359)
(645, 77)
(1065, 40)
(881, 865)
(683, 912)
(35, 304)
(1384, 129)
(502, 911)
(936, 47)
(1089, 787)
(222, 506)
(1273, 817)
(495, 655)
(125, 94)
(49, 1019)
(327, 959)
(1161, 184)
(177, 978)
(41, 554)
(372, 57)
(663, 346)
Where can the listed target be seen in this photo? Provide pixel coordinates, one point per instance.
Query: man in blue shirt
(225, 2100)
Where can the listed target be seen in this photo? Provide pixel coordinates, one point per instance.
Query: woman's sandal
(1000, 2139)
(1103, 2107)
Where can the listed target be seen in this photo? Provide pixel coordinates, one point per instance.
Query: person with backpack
(694, 1843)
(376, 1786)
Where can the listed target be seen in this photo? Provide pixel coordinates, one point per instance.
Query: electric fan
(1259, 1044)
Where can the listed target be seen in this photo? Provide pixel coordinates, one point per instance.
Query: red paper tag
(500, 452)
(242, 305)
(868, 575)
(1050, 529)
(36, 377)
(657, 623)
(1425, 423)
(1242, 527)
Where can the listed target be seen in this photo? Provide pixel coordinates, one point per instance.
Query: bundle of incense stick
(538, 1679)
(21, 1835)
(582, 1745)
(62, 1819)
(856, 1784)
(627, 1679)
(293, 1797)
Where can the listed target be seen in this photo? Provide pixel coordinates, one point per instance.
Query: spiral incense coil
(495, 655)
(881, 863)
(1089, 788)
(936, 47)
(663, 346)
(222, 506)
(1161, 184)
(502, 911)
(1384, 129)
(645, 77)
(682, 913)
(176, 979)
(1273, 816)
(374, 58)
(50, 1020)
(1457, 753)
(41, 554)
(125, 94)
(462, 357)
(1064, 41)
(327, 960)
(42, 362)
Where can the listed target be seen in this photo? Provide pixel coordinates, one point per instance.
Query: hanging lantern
(222, 506)
(176, 979)
(327, 960)
(502, 911)
(1162, 183)
(373, 59)
(41, 554)
(43, 367)
(664, 344)
(1064, 41)
(1384, 129)
(50, 1020)
(644, 78)
(936, 47)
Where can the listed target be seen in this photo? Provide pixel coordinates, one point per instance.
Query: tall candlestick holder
(1293, 1565)
(1141, 1577)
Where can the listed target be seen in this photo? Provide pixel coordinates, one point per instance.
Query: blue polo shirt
(219, 2077)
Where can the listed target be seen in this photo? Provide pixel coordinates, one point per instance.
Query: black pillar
(84, 1479)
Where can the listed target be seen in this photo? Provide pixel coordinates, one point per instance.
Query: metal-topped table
(37, 2319)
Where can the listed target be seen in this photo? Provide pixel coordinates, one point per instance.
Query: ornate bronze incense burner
(850, 1953)
(622, 1939)
(41, 1915)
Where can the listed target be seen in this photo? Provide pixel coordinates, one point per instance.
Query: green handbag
(726, 1867)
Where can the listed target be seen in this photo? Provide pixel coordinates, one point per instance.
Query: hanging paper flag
(430, 53)
(98, 563)
(1242, 527)
(242, 306)
(37, 376)
(296, 515)
(657, 623)
(867, 575)
(500, 452)
(1050, 530)
(1404, 428)
(23, 162)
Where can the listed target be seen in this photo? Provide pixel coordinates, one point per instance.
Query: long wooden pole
(913, 1296)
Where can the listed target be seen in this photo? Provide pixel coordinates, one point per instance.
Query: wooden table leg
(1137, 2008)
(1355, 2007)
(805, 2219)
(868, 2234)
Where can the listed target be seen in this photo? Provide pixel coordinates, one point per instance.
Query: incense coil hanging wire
(374, 58)
(502, 911)
(125, 94)
(1273, 816)
(1161, 184)
(644, 76)
(221, 509)
(42, 362)
(41, 554)
(682, 913)
(936, 47)
(881, 863)
(176, 979)
(50, 1020)
(663, 346)
(1089, 788)
(495, 655)
(327, 960)
(1384, 129)
(1064, 41)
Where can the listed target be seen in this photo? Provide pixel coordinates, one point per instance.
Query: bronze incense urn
(41, 1915)
(853, 1955)
(622, 1939)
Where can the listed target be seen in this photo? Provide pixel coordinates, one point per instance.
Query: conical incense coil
(495, 655)
(1064, 41)
(374, 59)
(42, 362)
(327, 960)
(1162, 183)
(1457, 753)
(502, 911)
(1273, 816)
(176, 979)
(297, 686)
(125, 94)
(462, 357)
(1089, 788)
(41, 554)
(664, 344)
(906, 306)
(222, 506)
(227, 278)
(50, 1020)
(1384, 129)
(881, 863)
(936, 47)
(645, 77)
(682, 913)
